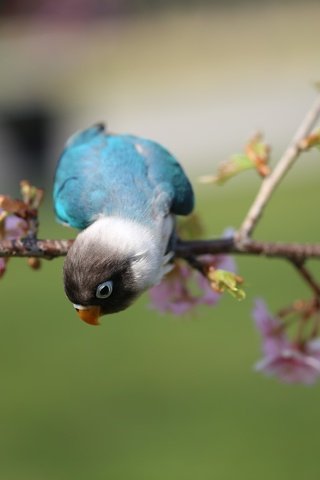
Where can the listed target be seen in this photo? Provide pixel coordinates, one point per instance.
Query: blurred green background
(154, 396)
(150, 396)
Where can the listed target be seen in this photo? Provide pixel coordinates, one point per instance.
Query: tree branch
(49, 249)
(293, 251)
(270, 183)
(29, 247)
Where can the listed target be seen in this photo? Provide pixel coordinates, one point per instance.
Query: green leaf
(222, 281)
(255, 156)
(236, 164)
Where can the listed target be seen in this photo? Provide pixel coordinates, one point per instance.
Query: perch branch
(29, 247)
(49, 249)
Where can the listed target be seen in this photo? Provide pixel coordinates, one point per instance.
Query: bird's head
(104, 274)
(98, 282)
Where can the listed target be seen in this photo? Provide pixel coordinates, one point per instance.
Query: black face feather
(84, 271)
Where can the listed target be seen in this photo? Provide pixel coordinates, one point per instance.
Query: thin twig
(271, 182)
(308, 278)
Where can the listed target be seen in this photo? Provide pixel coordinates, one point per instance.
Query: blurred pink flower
(172, 294)
(292, 365)
(265, 322)
(11, 228)
(176, 292)
(270, 328)
(14, 227)
(289, 362)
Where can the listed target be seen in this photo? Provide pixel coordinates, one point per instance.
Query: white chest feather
(145, 248)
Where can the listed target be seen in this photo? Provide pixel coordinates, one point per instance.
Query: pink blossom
(11, 228)
(289, 362)
(270, 328)
(14, 227)
(172, 294)
(265, 322)
(184, 288)
(223, 262)
(292, 365)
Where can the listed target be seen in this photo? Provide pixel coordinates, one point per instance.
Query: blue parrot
(123, 193)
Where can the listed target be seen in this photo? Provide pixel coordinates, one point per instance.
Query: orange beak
(89, 315)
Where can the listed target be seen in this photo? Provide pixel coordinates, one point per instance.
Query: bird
(123, 193)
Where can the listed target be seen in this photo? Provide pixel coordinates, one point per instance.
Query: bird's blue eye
(104, 290)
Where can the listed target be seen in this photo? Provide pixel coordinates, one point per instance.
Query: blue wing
(103, 173)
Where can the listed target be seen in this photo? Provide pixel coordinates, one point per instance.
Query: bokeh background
(150, 396)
